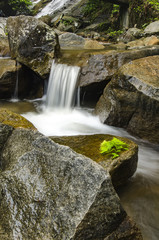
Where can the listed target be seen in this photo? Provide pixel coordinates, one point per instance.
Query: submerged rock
(120, 168)
(131, 99)
(32, 43)
(47, 191)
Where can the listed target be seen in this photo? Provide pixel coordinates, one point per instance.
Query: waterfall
(15, 95)
(62, 85)
(53, 6)
(56, 5)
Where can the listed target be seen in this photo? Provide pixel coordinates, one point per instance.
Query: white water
(15, 94)
(62, 85)
(52, 7)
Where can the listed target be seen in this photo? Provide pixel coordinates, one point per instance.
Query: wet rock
(47, 191)
(32, 43)
(126, 231)
(101, 67)
(12, 73)
(8, 77)
(120, 169)
(15, 120)
(131, 99)
(152, 28)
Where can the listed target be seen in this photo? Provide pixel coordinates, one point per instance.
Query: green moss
(15, 120)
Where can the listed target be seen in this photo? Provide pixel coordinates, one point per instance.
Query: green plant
(20, 6)
(113, 147)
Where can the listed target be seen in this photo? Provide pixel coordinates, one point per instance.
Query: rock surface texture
(101, 67)
(152, 28)
(32, 43)
(17, 81)
(4, 44)
(47, 191)
(131, 99)
(120, 169)
(15, 120)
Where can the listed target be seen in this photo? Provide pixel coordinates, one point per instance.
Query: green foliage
(20, 6)
(154, 4)
(116, 9)
(113, 147)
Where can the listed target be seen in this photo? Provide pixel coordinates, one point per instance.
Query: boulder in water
(131, 99)
(47, 191)
(100, 68)
(32, 43)
(120, 169)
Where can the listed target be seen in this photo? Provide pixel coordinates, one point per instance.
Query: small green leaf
(113, 147)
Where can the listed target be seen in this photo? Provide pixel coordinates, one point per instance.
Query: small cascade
(62, 86)
(52, 7)
(15, 94)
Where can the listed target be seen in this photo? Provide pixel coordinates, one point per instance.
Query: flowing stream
(140, 196)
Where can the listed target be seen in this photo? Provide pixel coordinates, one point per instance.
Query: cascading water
(52, 7)
(15, 94)
(61, 86)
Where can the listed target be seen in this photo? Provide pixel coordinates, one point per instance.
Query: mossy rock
(15, 120)
(120, 169)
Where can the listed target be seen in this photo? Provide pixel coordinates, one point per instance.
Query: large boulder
(101, 67)
(152, 28)
(120, 168)
(17, 80)
(32, 43)
(131, 99)
(47, 191)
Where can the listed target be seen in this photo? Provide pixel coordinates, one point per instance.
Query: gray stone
(47, 191)
(32, 43)
(131, 99)
(5, 132)
(101, 67)
(3, 31)
(152, 28)
(71, 40)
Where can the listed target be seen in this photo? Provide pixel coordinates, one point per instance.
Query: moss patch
(15, 120)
